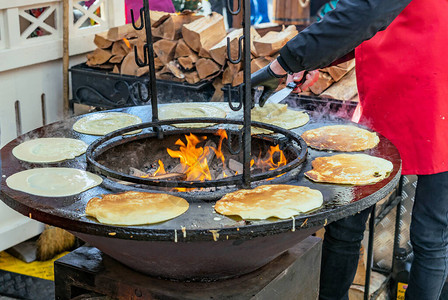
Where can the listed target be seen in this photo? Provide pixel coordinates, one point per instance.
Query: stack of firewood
(193, 48)
(187, 47)
(336, 82)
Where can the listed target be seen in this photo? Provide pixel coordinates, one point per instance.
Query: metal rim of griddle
(101, 145)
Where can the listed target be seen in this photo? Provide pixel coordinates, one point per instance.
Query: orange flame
(125, 40)
(160, 170)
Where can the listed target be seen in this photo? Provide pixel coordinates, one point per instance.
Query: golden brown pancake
(104, 123)
(53, 182)
(47, 150)
(277, 200)
(357, 169)
(136, 208)
(340, 138)
(279, 115)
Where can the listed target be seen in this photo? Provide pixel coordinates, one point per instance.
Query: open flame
(194, 160)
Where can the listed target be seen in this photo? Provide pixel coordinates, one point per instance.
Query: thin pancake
(277, 200)
(104, 123)
(190, 110)
(47, 150)
(357, 169)
(279, 115)
(136, 208)
(340, 138)
(53, 182)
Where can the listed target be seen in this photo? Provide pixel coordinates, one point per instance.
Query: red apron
(402, 75)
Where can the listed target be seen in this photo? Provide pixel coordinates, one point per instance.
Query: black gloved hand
(266, 78)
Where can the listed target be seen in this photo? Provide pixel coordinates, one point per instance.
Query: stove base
(293, 275)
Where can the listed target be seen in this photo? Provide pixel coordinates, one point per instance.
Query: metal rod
(370, 253)
(152, 71)
(18, 118)
(65, 55)
(247, 103)
(44, 109)
(398, 219)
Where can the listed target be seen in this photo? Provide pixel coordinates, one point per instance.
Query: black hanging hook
(141, 19)
(240, 142)
(229, 9)
(145, 55)
(229, 55)
(228, 94)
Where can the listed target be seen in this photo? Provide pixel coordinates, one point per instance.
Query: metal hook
(240, 142)
(228, 93)
(141, 19)
(229, 9)
(239, 50)
(145, 55)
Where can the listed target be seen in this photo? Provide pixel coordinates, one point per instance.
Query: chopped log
(186, 62)
(230, 72)
(116, 59)
(218, 95)
(192, 77)
(258, 63)
(170, 176)
(106, 66)
(182, 49)
(171, 27)
(116, 69)
(98, 57)
(128, 66)
(142, 71)
(121, 48)
(165, 50)
(137, 173)
(219, 51)
(101, 40)
(235, 166)
(274, 41)
(174, 68)
(339, 71)
(158, 64)
(238, 79)
(125, 31)
(206, 67)
(344, 89)
(204, 32)
(322, 83)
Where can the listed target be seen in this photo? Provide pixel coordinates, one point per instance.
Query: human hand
(311, 78)
(269, 78)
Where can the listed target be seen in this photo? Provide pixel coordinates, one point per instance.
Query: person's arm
(340, 31)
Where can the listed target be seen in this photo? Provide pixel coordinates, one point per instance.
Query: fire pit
(199, 244)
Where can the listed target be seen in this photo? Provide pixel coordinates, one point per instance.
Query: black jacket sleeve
(338, 33)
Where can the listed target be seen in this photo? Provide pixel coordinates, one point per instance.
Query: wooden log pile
(187, 47)
(336, 82)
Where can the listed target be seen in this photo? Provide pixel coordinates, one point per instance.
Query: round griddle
(189, 245)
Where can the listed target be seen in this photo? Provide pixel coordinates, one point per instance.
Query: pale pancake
(104, 123)
(357, 169)
(53, 182)
(279, 115)
(340, 138)
(136, 208)
(47, 150)
(278, 200)
(190, 110)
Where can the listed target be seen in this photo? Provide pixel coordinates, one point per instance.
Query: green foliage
(181, 5)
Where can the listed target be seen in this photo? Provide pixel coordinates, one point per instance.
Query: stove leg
(370, 253)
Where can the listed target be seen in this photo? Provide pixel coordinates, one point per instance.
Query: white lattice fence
(31, 73)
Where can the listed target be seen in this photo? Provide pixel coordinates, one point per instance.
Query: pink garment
(159, 5)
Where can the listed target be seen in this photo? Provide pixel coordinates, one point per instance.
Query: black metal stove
(199, 244)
